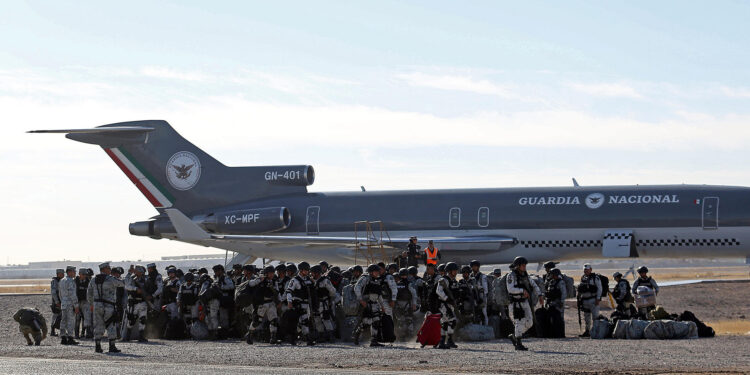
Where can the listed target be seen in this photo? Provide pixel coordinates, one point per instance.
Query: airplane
(268, 212)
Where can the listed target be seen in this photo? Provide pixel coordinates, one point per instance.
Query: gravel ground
(726, 354)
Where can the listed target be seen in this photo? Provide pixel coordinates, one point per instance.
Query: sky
(386, 94)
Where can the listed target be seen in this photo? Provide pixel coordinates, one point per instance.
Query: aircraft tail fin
(172, 172)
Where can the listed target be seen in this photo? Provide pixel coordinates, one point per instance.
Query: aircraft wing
(190, 231)
(114, 129)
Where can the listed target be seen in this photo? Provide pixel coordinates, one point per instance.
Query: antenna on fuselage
(575, 183)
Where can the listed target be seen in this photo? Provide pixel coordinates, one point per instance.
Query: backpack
(500, 290)
(244, 295)
(569, 286)
(605, 284)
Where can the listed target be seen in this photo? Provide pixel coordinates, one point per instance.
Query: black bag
(386, 332)
(244, 295)
(605, 285)
(175, 329)
(703, 329)
(542, 323)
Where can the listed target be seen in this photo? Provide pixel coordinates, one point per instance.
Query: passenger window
(454, 219)
(483, 217)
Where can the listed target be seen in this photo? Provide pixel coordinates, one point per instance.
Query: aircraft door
(313, 220)
(710, 215)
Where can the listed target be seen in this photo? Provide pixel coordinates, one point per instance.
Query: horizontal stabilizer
(118, 129)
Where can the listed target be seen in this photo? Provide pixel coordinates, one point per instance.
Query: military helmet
(412, 270)
(392, 266)
(323, 263)
(441, 267)
(616, 275)
(249, 267)
(587, 266)
(381, 265)
(451, 266)
(291, 267)
(550, 264)
(218, 267)
(171, 270)
(303, 266)
(403, 272)
(269, 269)
(555, 272)
(281, 267)
(237, 266)
(373, 268)
(519, 261)
(189, 277)
(642, 269)
(358, 268)
(316, 269)
(347, 274)
(464, 269)
(335, 269)
(497, 272)
(474, 263)
(430, 265)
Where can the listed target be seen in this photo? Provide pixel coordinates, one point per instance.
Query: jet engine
(291, 175)
(250, 221)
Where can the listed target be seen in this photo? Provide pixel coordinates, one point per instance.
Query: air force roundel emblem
(594, 200)
(183, 170)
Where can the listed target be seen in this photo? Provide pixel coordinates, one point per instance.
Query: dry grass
(25, 281)
(731, 327)
(24, 286)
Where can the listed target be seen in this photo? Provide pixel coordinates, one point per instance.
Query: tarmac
(723, 354)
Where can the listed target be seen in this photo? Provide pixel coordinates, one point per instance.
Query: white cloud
(735, 92)
(175, 74)
(607, 89)
(456, 83)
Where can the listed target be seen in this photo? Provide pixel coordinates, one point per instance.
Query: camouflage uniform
(54, 288)
(31, 323)
(68, 305)
(137, 305)
(102, 293)
(369, 289)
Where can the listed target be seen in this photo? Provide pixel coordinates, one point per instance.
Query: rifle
(578, 305)
(146, 295)
(312, 313)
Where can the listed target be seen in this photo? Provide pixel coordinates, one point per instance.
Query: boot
(519, 345)
(112, 347)
(89, 333)
(98, 348)
(293, 339)
(52, 332)
(310, 342)
(443, 344)
(64, 340)
(142, 336)
(451, 344)
(72, 342)
(355, 336)
(585, 334)
(375, 344)
(512, 338)
(249, 340)
(77, 335)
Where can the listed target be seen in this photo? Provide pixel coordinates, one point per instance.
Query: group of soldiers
(291, 302)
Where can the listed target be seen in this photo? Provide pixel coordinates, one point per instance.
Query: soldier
(417, 283)
(266, 301)
(389, 288)
(299, 296)
(291, 270)
(589, 296)
(187, 299)
(357, 272)
(645, 280)
(555, 292)
(102, 293)
(429, 280)
(31, 323)
(237, 274)
(467, 296)
(55, 293)
(138, 301)
(406, 304)
(83, 318)
(169, 294)
(327, 299)
(441, 270)
(492, 308)
(324, 267)
(69, 306)
(483, 288)
(368, 290)
(121, 300)
(154, 284)
(206, 294)
(521, 290)
(549, 266)
(621, 294)
(402, 260)
(413, 253)
(219, 307)
(447, 291)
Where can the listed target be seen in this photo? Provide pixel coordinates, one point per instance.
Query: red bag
(429, 334)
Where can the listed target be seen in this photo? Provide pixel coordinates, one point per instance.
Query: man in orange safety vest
(432, 255)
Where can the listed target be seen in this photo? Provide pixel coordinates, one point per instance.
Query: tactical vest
(150, 284)
(189, 294)
(266, 291)
(169, 295)
(552, 292)
(385, 287)
(82, 286)
(523, 282)
(373, 286)
(478, 279)
(587, 286)
(304, 292)
(133, 296)
(320, 289)
(454, 289)
(404, 294)
(627, 295)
